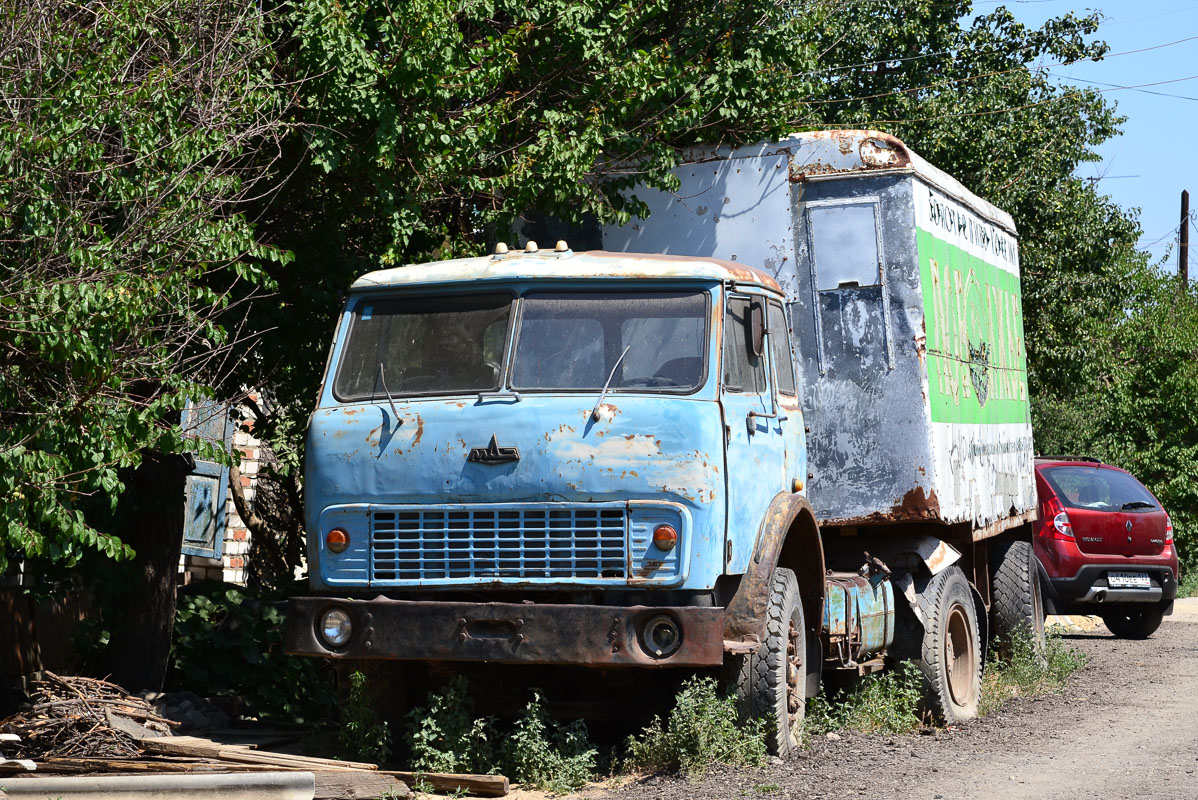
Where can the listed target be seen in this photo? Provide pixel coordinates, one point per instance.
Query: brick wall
(231, 567)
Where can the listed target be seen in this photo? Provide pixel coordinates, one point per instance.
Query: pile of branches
(83, 718)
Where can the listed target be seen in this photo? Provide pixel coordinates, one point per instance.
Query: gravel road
(1126, 726)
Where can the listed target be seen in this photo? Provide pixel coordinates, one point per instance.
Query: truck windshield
(454, 344)
(573, 340)
(424, 345)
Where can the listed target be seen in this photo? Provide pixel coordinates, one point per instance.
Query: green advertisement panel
(977, 363)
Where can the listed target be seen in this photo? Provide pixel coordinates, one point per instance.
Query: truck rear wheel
(1016, 601)
(950, 655)
(772, 683)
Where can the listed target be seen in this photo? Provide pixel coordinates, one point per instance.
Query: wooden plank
(206, 748)
(357, 784)
(478, 785)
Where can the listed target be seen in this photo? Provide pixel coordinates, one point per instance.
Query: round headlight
(335, 627)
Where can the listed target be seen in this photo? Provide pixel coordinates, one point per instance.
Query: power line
(1117, 86)
(992, 112)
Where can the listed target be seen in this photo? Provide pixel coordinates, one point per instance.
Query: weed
(363, 735)
(1189, 584)
(767, 788)
(546, 755)
(445, 736)
(702, 731)
(887, 703)
(1028, 672)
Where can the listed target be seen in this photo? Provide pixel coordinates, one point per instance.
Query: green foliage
(444, 736)
(229, 642)
(129, 140)
(703, 730)
(887, 703)
(1132, 406)
(544, 754)
(1188, 586)
(429, 126)
(1029, 671)
(363, 735)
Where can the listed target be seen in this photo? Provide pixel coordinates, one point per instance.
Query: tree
(131, 138)
(428, 127)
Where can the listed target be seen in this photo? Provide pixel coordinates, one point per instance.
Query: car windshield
(455, 344)
(1098, 489)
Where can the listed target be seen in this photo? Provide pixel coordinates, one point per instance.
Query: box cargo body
(903, 296)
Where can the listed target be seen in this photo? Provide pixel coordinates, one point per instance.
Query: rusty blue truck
(778, 428)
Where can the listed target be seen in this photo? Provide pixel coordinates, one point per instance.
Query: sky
(1149, 165)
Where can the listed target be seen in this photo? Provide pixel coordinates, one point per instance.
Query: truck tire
(772, 682)
(1133, 623)
(1016, 600)
(950, 655)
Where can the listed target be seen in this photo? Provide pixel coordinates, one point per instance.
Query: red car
(1105, 546)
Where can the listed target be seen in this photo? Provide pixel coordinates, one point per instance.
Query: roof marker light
(531, 247)
(501, 249)
(561, 246)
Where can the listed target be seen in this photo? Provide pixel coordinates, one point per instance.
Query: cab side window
(780, 350)
(744, 372)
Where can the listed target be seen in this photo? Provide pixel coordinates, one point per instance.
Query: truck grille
(420, 544)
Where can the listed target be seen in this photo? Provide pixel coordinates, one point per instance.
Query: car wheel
(772, 682)
(1133, 623)
(950, 656)
(1016, 600)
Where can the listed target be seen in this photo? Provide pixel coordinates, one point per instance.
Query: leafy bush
(703, 730)
(1189, 583)
(445, 737)
(1028, 672)
(546, 755)
(887, 703)
(228, 642)
(363, 735)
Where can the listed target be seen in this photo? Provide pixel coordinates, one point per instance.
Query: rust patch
(917, 505)
(351, 411)
(875, 151)
(647, 569)
(419, 430)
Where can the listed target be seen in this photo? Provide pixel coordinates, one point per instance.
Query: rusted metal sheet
(903, 297)
(858, 617)
(509, 633)
(745, 615)
(851, 151)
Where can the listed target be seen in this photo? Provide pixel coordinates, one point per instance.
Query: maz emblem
(493, 454)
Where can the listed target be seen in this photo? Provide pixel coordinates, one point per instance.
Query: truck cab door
(756, 427)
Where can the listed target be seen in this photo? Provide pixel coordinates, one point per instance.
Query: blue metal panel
(206, 489)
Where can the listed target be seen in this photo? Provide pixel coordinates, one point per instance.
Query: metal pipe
(227, 786)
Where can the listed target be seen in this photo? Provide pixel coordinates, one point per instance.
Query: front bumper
(509, 633)
(1089, 587)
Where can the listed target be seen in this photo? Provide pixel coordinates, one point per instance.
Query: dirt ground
(1126, 726)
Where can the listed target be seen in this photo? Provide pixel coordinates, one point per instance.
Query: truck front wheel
(950, 659)
(772, 682)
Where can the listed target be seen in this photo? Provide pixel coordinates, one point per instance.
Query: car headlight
(335, 627)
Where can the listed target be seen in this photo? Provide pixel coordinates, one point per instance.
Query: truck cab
(548, 457)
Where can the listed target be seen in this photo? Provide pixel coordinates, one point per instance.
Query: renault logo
(1128, 522)
(493, 454)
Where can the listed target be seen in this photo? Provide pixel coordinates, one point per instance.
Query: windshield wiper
(1137, 504)
(610, 375)
(394, 410)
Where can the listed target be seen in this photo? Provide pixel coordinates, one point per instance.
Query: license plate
(1128, 580)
